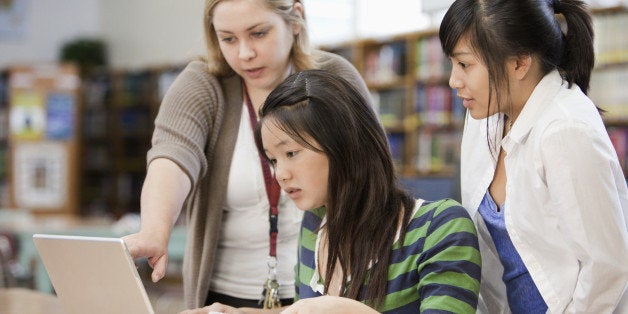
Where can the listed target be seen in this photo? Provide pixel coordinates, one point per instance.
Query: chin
(477, 116)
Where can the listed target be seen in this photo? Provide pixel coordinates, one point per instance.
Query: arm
(164, 191)
(176, 161)
(449, 265)
(587, 188)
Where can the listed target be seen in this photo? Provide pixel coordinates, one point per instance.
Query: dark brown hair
(500, 29)
(364, 199)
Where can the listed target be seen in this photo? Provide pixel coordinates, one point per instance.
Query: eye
(227, 40)
(462, 65)
(291, 154)
(259, 34)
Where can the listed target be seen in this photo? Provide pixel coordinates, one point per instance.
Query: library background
(78, 98)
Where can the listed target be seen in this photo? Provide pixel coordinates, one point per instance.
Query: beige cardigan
(197, 127)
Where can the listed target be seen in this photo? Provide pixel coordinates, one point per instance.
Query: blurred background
(81, 82)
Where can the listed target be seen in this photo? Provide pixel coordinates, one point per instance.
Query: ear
(297, 9)
(521, 65)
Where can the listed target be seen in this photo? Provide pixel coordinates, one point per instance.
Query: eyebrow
(248, 29)
(456, 54)
(281, 143)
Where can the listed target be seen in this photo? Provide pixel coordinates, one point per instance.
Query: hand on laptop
(143, 245)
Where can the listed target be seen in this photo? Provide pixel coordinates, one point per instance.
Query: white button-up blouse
(566, 197)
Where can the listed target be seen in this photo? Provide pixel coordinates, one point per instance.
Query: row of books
(96, 90)
(135, 88)
(431, 63)
(437, 151)
(4, 123)
(438, 105)
(396, 143)
(390, 105)
(386, 63)
(4, 107)
(435, 105)
(608, 91)
(619, 138)
(611, 46)
(95, 123)
(97, 156)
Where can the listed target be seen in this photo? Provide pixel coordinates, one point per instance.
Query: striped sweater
(436, 270)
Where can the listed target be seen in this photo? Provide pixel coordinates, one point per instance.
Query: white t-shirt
(241, 260)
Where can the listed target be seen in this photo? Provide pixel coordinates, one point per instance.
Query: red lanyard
(272, 187)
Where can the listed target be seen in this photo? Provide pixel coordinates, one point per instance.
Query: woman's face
(255, 41)
(469, 76)
(301, 172)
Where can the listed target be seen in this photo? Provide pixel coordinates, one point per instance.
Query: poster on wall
(59, 116)
(40, 175)
(12, 19)
(27, 115)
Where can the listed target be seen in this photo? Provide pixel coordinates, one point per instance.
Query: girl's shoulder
(431, 215)
(437, 207)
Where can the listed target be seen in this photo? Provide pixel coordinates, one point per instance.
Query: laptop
(93, 275)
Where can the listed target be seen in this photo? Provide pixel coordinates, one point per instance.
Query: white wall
(138, 33)
(142, 33)
(152, 32)
(49, 24)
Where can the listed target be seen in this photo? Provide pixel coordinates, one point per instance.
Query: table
(21, 300)
(29, 258)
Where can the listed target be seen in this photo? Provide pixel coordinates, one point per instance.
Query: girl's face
(255, 41)
(301, 172)
(469, 76)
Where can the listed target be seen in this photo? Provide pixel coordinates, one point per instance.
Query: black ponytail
(578, 57)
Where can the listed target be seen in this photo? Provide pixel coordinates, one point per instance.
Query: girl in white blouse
(540, 176)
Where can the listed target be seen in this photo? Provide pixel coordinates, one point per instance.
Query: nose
(246, 50)
(454, 79)
(281, 173)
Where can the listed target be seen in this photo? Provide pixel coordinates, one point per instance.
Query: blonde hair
(300, 53)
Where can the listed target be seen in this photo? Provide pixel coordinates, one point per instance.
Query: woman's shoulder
(195, 79)
(330, 61)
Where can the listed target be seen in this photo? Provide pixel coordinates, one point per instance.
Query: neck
(257, 96)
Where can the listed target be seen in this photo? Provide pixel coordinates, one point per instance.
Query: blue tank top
(523, 295)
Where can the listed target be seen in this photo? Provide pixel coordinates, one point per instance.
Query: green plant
(87, 53)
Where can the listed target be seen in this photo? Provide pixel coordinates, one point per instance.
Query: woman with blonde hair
(242, 231)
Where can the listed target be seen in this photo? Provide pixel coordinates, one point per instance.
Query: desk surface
(28, 256)
(20, 301)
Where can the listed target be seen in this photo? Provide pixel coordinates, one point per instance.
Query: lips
(466, 102)
(254, 73)
(292, 192)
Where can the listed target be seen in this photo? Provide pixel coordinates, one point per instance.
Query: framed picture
(40, 175)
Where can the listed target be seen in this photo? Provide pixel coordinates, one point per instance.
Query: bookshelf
(120, 107)
(611, 71)
(4, 144)
(408, 76)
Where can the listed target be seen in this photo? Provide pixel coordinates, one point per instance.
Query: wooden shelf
(129, 104)
(408, 76)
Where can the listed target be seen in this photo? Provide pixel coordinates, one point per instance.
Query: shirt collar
(539, 101)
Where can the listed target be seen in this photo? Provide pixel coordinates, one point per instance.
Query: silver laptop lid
(93, 275)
